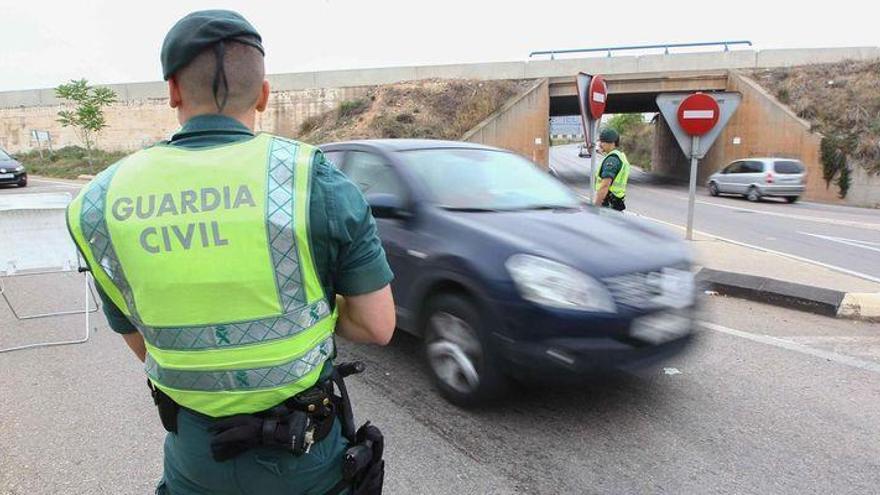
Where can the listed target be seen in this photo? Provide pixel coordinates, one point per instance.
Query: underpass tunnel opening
(646, 138)
(634, 116)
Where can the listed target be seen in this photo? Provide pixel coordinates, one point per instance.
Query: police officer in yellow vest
(228, 260)
(613, 174)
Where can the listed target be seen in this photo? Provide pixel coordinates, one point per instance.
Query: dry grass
(841, 101)
(68, 162)
(432, 109)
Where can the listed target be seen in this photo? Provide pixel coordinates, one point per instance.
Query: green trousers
(190, 469)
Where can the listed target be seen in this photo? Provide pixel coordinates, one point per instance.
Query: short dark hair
(245, 71)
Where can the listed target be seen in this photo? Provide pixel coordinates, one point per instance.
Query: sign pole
(692, 193)
(593, 162)
(592, 98)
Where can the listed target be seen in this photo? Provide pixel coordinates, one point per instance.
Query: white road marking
(771, 251)
(793, 346)
(849, 242)
(832, 221)
(68, 184)
(34, 187)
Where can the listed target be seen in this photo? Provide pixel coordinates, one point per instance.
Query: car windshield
(474, 179)
(4, 156)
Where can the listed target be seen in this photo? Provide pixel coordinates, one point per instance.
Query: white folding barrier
(34, 241)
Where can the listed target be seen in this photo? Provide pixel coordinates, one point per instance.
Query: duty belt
(294, 425)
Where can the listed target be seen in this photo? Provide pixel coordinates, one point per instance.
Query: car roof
(410, 144)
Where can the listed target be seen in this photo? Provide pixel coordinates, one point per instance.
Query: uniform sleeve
(610, 167)
(119, 323)
(361, 266)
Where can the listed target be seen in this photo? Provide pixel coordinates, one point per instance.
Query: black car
(11, 172)
(505, 273)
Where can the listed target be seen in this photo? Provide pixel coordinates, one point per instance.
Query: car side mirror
(387, 206)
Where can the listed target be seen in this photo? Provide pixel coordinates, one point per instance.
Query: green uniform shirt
(611, 165)
(348, 254)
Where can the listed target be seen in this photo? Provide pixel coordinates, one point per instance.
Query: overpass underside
(637, 93)
(634, 93)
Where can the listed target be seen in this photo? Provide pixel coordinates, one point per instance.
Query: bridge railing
(665, 47)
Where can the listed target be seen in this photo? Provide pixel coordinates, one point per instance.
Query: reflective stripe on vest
(207, 252)
(618, 185)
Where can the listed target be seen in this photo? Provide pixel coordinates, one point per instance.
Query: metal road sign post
(696, 120)
(593, 158)
(592, 98)
(692, 189)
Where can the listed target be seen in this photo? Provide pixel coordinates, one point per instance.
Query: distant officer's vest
(207, 252)
(618, 185)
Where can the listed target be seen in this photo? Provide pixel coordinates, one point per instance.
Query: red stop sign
(698, 114)
(597, 94)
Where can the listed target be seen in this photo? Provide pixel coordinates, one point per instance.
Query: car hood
(597, 241)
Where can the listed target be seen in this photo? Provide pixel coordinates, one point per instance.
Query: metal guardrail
(665, 47)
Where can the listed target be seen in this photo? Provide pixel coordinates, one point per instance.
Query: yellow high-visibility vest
(618, 185)
(207, 253)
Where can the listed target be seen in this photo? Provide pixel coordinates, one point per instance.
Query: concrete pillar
(667, 160)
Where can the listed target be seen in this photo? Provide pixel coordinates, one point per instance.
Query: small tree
(626, 123)
(87, 119)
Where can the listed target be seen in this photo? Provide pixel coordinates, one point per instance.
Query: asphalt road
(840, 236)
(767, 401)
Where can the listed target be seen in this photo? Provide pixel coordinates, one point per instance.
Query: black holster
(168, 409)
(363, 468)
(613, 202)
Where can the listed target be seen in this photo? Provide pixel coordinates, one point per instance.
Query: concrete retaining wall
(521, 125)
(141, 121)
(761, 127)
(865, 188)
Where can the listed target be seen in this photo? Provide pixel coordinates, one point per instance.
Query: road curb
(859, 305)
(81, 179)
(819, 300)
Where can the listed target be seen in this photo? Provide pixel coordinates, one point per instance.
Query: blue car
(506, 274)
(11, 172)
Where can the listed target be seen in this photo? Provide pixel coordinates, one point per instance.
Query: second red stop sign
(698, 114)
(597, 95)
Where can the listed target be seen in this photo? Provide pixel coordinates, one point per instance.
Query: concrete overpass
(533, 69)
(762, 125)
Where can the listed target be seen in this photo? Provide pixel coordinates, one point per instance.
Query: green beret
(609, 136)
(201, 30)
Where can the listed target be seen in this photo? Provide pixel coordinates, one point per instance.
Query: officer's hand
(235, 435)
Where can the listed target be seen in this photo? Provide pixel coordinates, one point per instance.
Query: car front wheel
(713, 189)
(461, 365)
(23, 182)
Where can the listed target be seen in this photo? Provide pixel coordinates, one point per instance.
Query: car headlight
(553, 284)
(19, 168)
